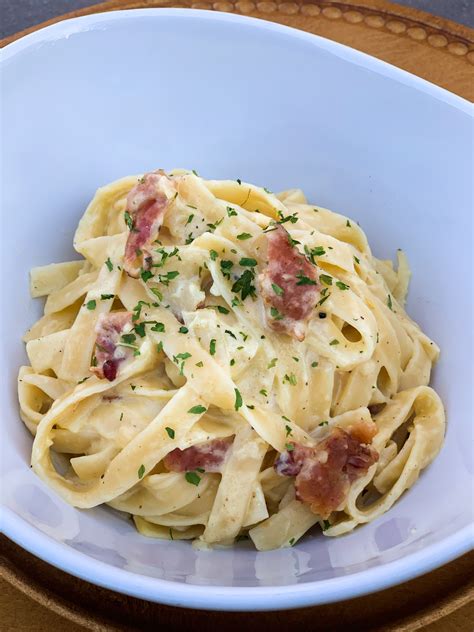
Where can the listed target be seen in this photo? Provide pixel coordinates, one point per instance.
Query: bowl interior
(89, 101)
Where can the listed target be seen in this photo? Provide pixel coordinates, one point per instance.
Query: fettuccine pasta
(226, 363)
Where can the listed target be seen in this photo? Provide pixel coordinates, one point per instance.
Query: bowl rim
(235, 598)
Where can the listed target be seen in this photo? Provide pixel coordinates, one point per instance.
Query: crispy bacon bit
(108, 353)
(289, 285)
(325, 473)
(209, 456)
(146, 203)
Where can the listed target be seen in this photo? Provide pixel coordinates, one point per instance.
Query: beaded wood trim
(387, 17)
(437, 37)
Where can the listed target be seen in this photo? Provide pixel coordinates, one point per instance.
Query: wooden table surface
(37, 597)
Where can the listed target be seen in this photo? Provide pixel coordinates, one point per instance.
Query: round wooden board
(434, 48)
(442, 601)
(440, 51)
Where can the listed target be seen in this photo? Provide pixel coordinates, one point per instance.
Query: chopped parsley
(290, 447)
(91, 304)
(83, 379)
(244, 284)
(272, 363)
(129, 339)
(348, 224)
(304, 280)
(291, 379)
(291, 541)
(226, 267)
(183, 357)
(140, 329)
(389, 302)
(356, 259)
(222, 310)
(231, 211)
(326, 279)
(129, 221)
(263, 392)
(170, 432)
(288, 218)
(157, 293)
(109, 264)
(326, 524)
(190, 219)
(141, 471)
(341, 285)
(323, 423)
(169, 276)
(212, 347)
(334, 342)
(277, 289)
(275, 314)
(213, 254)
(238, 399)
(105, 297)
(159, 327)
(197, 410)
(244, 236)
(146, 275)
(138, 309)
(314, 364)
(289, 430)
(248, 262)
(192, 478)
(183, 330)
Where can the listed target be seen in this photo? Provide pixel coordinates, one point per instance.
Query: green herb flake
(141, 471)
(129, 221)
(323, 423)
(238, 399)
(222, 310)
(275, 314)
(356, 259)
(212, 347)
(83, 379)
(159, 327)
(157, 293)
(326, 525)
(389, 302)
(326, 279)
(341, 285)
(129, 339)
(304, 280)
(263, 392)
(106, 297)
(314, 364)
(272, 363)
(226, 267)
(192, 478)
(213, 254)
(140, 329)
(244, 284)
(277, 289)
(146, 275)
(289, 447)
(244, 236)
(183, 330)
(109, 264)
(291, 379)
(289, 430)
(170, 432)
(334, 342)
(291, 541)
(197, 410)
(248, 262)
(231, 211)
(348, 224)
(91, 304)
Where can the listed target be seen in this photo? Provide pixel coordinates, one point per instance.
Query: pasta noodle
(224, 363)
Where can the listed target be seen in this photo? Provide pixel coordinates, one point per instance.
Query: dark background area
(16, 15)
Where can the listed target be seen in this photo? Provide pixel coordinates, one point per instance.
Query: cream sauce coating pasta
(223, 362)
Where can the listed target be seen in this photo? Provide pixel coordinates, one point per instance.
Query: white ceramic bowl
(92, 99)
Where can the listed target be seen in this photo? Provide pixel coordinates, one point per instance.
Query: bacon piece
(298, 282)
(147, 204)
(325, 473)
(108, 354)
(209, 456)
